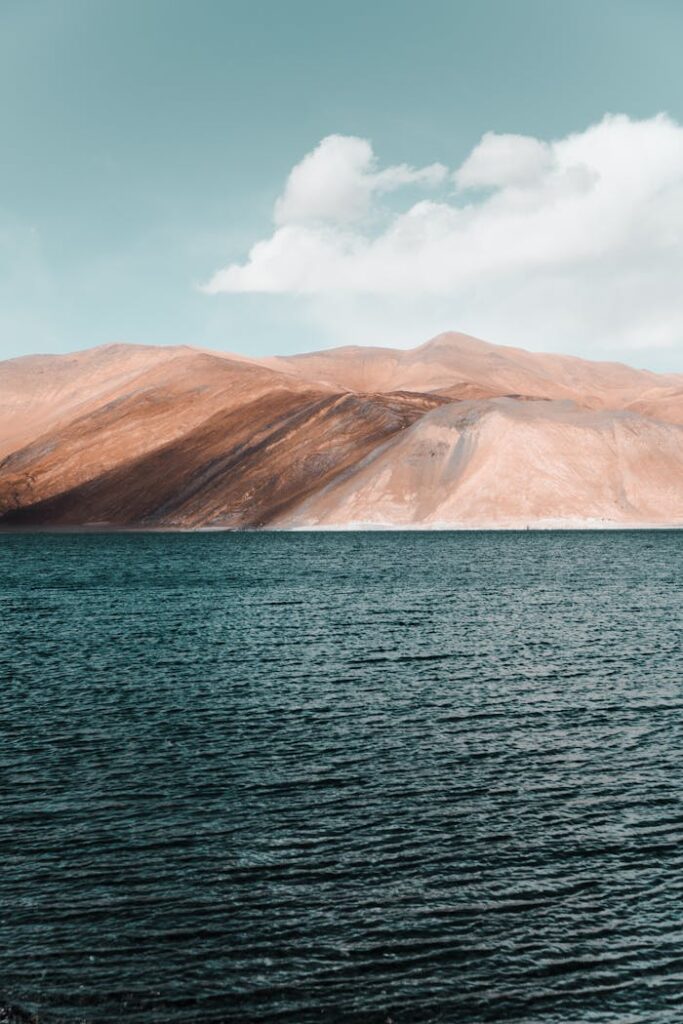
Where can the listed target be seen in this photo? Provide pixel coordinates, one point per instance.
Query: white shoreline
(517, 526)
(488, 527)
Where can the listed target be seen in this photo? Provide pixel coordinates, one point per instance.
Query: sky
(268, 177)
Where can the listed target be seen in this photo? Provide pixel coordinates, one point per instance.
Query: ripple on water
(342, 777)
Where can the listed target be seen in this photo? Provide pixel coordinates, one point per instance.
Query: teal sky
(144, 143)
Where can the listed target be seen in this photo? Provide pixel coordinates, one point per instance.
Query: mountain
(457, 366)
(455, 432)
(504, 462)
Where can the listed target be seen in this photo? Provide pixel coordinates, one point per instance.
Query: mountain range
(455, 433)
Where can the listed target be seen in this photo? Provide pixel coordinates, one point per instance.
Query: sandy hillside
(454, 432)
(508, 463)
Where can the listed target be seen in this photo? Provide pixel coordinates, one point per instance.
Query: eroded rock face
(457, 432)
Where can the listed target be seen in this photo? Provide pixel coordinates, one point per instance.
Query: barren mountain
(457, 365)
(455, 432)
(508, 463)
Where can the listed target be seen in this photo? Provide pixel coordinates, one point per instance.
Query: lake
(363, 777)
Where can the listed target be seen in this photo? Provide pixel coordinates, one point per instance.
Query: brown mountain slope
(660, 404)
(239, 468)
(457, 365)
(510, 463)
(130, 435)
(137, 413)
(39, 392)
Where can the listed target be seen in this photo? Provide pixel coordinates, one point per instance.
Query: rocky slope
(456, 432)
(508, 463)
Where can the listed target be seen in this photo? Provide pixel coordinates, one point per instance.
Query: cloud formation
(337, 182)
(576, 242)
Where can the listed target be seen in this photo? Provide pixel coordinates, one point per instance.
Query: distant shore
(541, 526)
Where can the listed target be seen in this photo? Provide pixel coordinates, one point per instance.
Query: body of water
(342, 777)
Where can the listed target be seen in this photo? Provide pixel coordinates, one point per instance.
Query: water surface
(342, 777)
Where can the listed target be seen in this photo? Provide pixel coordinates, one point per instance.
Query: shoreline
(540, 526)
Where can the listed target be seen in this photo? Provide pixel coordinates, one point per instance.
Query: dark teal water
(354, 777)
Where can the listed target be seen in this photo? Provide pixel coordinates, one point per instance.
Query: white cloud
(574, 243)
(337, 181)
(501, 160)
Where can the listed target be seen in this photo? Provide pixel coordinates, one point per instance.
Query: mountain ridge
(184, 437)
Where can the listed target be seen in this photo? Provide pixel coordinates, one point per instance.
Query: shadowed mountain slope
(456, 431)
(139, 413)
(239, 468)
